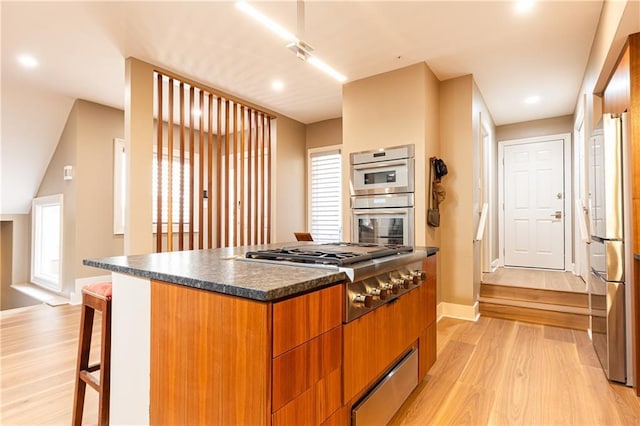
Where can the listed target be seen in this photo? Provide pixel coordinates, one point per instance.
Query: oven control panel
(366, 295)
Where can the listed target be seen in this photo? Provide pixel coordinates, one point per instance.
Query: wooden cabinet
(218, 359)
(210, 358)
(374, 341)
(307, 364)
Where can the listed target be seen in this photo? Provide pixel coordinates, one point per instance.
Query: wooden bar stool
(95, 297)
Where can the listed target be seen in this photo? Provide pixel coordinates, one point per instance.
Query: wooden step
(548, 307)
(552, 297)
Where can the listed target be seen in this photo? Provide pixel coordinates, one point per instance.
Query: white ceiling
(82, 47)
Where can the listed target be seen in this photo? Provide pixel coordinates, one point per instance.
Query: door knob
(559, 195)
(557, 214)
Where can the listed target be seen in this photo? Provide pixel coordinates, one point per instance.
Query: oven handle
(379, 165)
(399, 210)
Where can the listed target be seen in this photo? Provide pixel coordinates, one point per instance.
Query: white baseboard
(454, 310)
(76, 296)
(495, 264)
(41, 294)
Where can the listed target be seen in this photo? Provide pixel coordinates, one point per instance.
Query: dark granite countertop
(225, 271)
(636, 256)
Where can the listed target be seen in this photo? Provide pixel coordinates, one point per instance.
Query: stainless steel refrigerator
(610, 280)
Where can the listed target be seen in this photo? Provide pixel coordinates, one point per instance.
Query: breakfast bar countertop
(226, 271)
(223, 270)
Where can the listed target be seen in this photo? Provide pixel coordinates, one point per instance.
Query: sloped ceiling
(82, 47)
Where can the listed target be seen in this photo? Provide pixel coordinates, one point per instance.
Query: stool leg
(84, 346)
(105, 367)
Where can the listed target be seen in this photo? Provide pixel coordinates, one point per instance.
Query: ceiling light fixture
(523, 6)
(27, 60)
(532, 100)
(266, 21)
(277, 85)
(301, 49)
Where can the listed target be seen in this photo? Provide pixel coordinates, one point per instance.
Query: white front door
(534, 205)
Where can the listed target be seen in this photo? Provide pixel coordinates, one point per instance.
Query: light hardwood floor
(536, 278)
(504, 372)
(490, 372)
(38, 350)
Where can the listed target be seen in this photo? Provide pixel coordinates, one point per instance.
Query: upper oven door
(385, 177)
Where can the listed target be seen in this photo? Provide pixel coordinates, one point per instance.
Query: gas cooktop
(340, 254)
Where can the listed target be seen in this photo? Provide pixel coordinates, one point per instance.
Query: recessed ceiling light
(523, 6)
(277, 85)
(532, 100)
(27, 60)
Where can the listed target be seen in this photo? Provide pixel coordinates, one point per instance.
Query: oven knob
(421, 275)
(379, 292)
(390, 287)
(406, 280)
(396, 283)
(414, 278)
(363, 299)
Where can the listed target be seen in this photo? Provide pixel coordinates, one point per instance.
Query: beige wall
(66, 153)
(324, 133)
(483, 122)
(98, 125)
(87, 145)
(456, 137)
(288, 176)
(530, 129)
(15, 245)
(394, 108)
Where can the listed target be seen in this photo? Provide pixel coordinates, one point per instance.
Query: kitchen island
(206, 337)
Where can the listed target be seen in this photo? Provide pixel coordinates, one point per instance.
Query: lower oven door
(383, 226)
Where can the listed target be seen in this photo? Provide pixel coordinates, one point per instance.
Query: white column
(130, 350)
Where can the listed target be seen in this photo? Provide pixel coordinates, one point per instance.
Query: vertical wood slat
(159, 168)
(242, 151)
(170, 171)
(269, 159)
(181, 175)
(192, 194)
(255, 172)
(249, 187)
(234, 210)
(201, 175)
(218, 172)
(263, 192)
(246, 181)
(226, 184)
(210, 177)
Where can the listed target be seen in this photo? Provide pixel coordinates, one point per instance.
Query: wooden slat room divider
(219, 179)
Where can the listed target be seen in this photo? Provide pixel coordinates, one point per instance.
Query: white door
(533, 205)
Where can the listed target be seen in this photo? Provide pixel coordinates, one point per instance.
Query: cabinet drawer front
(374, 341)
(302, 318)
(314, 406)
(296, 371)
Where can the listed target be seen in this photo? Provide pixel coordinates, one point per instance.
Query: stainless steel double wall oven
(382, 196)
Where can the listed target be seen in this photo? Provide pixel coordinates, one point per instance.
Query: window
(119, 182)
(120, 185)
(175, 188)
(325, 194)
(46, 242)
